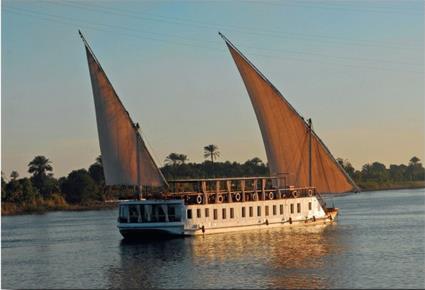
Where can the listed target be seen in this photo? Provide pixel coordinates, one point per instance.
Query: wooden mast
(309, 152)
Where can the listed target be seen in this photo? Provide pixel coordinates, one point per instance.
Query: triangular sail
(125, 158)
(286, 136)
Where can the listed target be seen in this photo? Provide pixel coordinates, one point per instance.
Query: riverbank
(374, 186)
(57, 203)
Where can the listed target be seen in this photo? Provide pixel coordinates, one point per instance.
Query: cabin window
(189, 213)
(243, 211)
(123, 216)
(274, 210)
(161, 214)
(267, 210)
(232, 213)
(298, 207)
(215, 214)
(134, 215)
(281, 208)
(223, 211)
(171, 213)
(309, 206)
(198, 213)
(158, 214)
(258, 210)
(292, 208)
(251, 211)
(207, 212)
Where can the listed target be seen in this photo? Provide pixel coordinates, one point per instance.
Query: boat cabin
(151, 211)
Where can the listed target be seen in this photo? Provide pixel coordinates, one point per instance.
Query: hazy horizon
(356, 68)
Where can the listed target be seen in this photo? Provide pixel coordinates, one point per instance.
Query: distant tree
(3, 187)
(415, 170)
(99, 160)
(96, 172)
(14, 175)
(21, 190)
(255, 161)
(375, 171)
(42, 178)
(29, 193)
(14, 190)
(172, 159)
(182, 158)
(357, 175)
(211, 152)
(79, 187)
(397, 172)
(39, 166)
(346, 165)
(414, 160)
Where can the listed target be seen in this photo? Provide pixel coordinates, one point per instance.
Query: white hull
(200, 219)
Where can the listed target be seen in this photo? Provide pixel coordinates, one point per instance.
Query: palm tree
(39, 166)
(182, 158)
(256, 161)
(211, 151)
(172, 159)
(99, 160)
(414, 160)
(14, 175)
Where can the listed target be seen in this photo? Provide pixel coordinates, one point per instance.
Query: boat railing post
(243, 189)
(217, 190)
(204, 191)
(254, 184)
(263, 189)
(229, 190)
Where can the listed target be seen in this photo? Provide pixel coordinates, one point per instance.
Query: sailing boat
(300, 167)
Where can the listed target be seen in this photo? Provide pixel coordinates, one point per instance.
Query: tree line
(84, 186)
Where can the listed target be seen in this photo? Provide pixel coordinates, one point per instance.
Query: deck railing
(225, 190)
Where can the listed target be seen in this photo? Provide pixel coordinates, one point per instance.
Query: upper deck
(235, 189)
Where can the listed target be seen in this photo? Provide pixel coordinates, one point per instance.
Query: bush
(79, 187)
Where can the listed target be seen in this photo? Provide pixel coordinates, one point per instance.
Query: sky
(355, 67)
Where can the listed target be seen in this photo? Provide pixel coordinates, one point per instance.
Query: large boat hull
(152, 219)
(139, 233)
(150, 230)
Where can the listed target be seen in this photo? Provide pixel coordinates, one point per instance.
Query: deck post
(263, 189)
(243, 189)
(204, 191)
(217, 190)
(254, 184)
(229, 190)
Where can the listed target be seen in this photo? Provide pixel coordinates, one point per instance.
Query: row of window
(243, 211)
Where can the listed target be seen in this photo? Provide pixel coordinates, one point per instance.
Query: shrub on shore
(86, 189)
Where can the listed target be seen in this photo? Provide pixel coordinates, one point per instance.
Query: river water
(378, 242)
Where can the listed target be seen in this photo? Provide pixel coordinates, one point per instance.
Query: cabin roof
(222, 179)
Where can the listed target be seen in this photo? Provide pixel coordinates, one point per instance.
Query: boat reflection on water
(276, 258)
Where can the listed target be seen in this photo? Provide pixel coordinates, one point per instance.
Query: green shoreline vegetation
(86, 190)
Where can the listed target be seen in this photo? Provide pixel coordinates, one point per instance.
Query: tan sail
(125, 158)
(286, 136)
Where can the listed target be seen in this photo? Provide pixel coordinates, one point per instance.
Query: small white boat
(300, 167)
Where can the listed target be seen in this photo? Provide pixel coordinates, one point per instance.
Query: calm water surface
(378, 242)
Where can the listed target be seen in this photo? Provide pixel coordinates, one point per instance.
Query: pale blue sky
(355, 67)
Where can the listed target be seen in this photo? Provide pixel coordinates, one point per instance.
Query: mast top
(86, 44)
